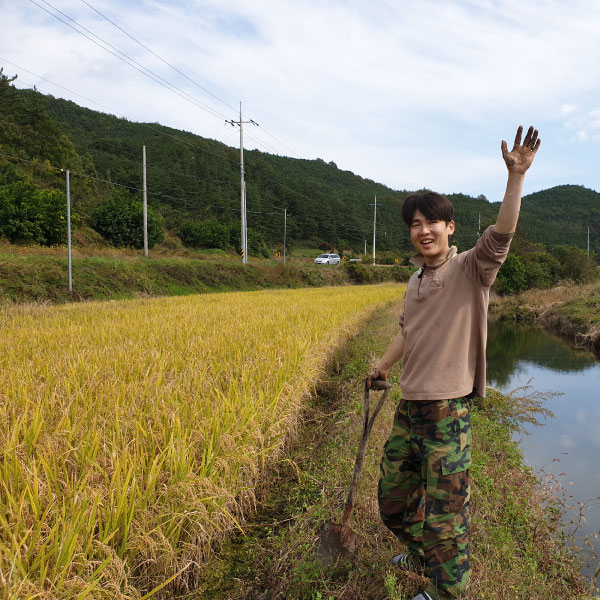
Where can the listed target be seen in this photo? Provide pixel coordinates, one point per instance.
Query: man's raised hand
(519, 159)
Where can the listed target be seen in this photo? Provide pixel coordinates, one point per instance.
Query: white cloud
(594, 116)
(410, 94)
(584, 126)
(567, 441)
(568, 109)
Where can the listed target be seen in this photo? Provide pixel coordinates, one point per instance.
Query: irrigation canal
(567, 446)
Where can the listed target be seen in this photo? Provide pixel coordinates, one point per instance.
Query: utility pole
(145, 194)
(365, 252)
(588, 245)
(244, 231)
(284, 232)
(69, 230)
(479, 226)
(374, 226)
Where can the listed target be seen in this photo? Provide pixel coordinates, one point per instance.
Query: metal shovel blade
(337, 540)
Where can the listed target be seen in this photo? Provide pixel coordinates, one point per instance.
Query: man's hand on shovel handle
(376, 373)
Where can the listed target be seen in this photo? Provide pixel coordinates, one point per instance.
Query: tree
(542, 272)
(120, 220)
(196, 179)
(575, 264)
(30, 214)
(541, 269)
(511, 277)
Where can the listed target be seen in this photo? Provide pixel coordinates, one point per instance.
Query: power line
(84, 175)
(278, 140)
(178, 174)
(282, 186)
(56, 84)
(140, 68)
(157, 55)
(260, 142)
(121, 185)
(124, 57)
(145, 71)
(162, 195)
(117, 113)
(202, 180)
(179, 71)
(111, 110)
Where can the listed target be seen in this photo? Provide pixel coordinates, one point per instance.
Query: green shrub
(120, 220)
(575, 264)
(206, 234)
(400, 273)
(359, 273)
(256, 244)
(512, 276)
(542, 271)
(235, 235)
(31, 214)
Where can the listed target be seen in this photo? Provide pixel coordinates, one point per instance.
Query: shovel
(337, 539)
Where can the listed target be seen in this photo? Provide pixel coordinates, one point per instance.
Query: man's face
(430, 238)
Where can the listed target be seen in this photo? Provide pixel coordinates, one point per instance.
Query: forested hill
(191, 178)
(561, 216)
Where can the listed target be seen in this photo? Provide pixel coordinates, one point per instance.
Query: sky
(412, 94)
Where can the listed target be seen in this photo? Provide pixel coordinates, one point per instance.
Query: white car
(327, 259)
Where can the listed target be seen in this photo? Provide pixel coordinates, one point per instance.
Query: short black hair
(434, 206)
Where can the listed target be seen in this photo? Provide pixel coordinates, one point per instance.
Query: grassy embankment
(41, 275)
(134, 434)
(517, 548)
(570, 310)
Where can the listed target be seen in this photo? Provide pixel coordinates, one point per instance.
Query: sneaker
(408, 562)
(423, 596)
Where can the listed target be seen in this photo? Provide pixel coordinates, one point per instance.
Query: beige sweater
(445, 321)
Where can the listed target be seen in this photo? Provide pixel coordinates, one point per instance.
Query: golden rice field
(132, 433)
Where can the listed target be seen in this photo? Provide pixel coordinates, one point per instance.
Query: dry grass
(540, 300)
(83, 247)
(133, 434)
(570, 310)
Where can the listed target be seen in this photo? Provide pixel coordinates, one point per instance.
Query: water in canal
(517, 354)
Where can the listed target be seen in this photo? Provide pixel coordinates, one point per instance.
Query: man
(424, 486)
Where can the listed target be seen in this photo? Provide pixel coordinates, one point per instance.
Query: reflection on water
(511, 346)
(569, 443)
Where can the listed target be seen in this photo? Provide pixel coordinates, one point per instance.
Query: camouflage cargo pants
(424, 488)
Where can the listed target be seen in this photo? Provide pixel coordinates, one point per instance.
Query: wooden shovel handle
(368, 421)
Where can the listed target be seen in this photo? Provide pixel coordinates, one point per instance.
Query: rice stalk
(133, 434)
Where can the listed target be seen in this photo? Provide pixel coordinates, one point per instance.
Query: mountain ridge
(192, 178)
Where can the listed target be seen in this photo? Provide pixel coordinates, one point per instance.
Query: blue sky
(411, 94)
